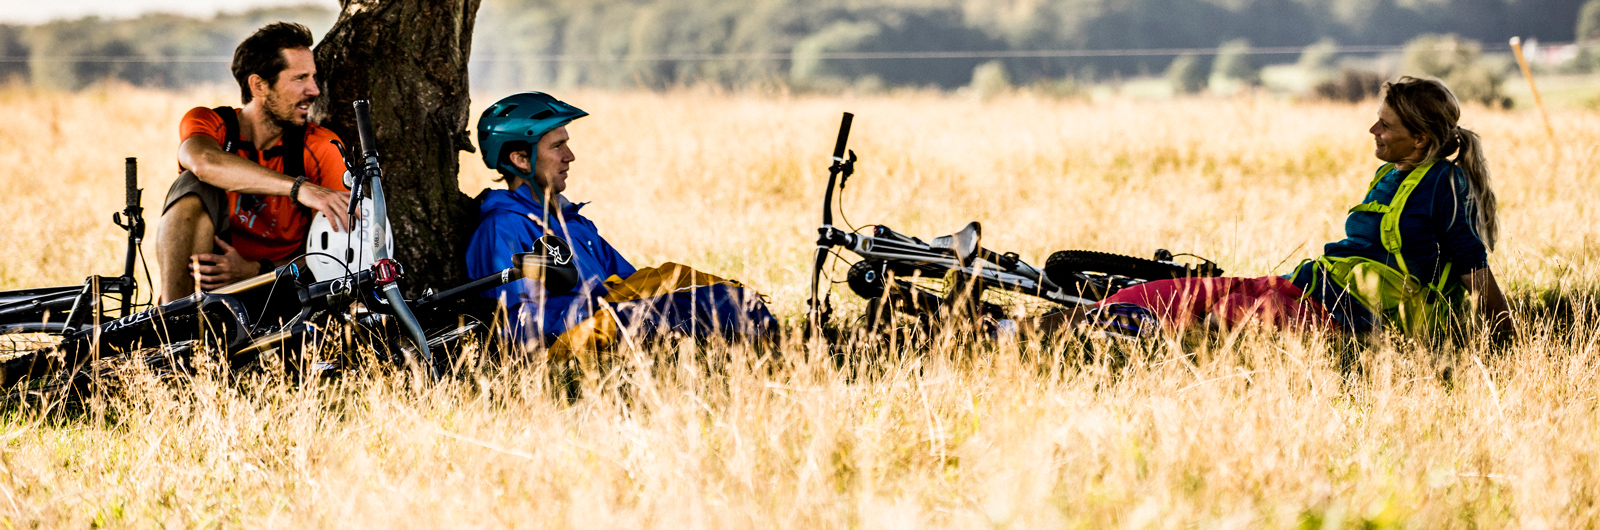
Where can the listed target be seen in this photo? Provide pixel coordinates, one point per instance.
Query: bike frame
(898, 254)
(888, 256)
(903, 254)
(64, 309)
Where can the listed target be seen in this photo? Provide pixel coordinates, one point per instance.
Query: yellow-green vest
(1394, 295)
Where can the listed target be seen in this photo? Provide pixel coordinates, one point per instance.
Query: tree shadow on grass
(1557, 310)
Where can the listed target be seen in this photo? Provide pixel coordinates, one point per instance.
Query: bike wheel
(1088, 260)
(455, 340)
(929, 301)
(1095, 275)
(458, 344)
(22, 346)
(18, 339)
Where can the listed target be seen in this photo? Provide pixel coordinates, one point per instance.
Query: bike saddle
(964, 243)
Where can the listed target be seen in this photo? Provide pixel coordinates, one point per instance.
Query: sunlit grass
(1241, 429)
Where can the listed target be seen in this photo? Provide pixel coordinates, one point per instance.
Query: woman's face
(1393, 142)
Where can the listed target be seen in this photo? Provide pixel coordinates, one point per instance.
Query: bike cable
(150, 297)
(278, 278)
(836, 255)
(346, 266)
(274, 290)
(843, 216)
(349, 237)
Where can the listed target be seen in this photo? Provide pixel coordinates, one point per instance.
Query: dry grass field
(1238, 430)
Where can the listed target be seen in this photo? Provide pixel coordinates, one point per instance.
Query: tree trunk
(409, 57)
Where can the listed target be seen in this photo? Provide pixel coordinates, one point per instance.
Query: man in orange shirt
(252, 177)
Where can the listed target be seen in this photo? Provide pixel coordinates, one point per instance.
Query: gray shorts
(212, 198)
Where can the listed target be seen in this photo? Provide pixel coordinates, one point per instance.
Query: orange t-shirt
(270, 226)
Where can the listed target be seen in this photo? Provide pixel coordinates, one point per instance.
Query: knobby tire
(1061, 264)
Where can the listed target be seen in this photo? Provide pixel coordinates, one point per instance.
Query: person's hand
(332, 203)
(218, 270)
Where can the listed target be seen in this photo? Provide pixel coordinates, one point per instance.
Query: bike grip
(844, 135)
(369, 142)
(132, 189)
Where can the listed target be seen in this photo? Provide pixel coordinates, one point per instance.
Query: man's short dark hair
(262, 53)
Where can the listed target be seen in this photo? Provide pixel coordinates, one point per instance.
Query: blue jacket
(508, 223)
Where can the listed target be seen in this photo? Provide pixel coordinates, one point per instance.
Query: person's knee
(188, 212)
(186, 207)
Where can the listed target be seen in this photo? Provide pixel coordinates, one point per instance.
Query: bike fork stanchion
(388, 281)
(391, 293)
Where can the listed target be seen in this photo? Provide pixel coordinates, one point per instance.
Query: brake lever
(344, 155)
(349, 158)
(847, 168)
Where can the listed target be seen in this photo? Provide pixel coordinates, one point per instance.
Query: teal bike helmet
(517, 122)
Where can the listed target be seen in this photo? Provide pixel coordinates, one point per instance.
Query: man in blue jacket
(524, 137)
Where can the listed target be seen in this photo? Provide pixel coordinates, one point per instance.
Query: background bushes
(825, 44)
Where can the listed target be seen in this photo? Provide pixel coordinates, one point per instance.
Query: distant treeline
(656, 43)
(637, 33)
(152, 50)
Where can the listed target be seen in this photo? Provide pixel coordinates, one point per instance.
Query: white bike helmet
(333, 254)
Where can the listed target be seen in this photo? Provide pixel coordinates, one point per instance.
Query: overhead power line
(993, 54)
(787, 56)
(105, 59)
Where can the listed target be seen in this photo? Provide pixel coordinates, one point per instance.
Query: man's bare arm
(205, 157)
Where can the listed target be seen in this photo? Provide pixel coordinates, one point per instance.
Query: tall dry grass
(1245, 429)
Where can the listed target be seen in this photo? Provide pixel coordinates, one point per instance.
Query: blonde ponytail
(1470, 160)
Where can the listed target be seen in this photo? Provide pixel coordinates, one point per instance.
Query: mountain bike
(953, 278)
(32, 319)
(61, 335)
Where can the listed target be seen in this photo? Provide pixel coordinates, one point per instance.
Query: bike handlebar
(816, 312)
(132, 182)
(844, 137)
(369, 141)
(837, 167)
(368, 165)
(339, 290)
(474, 287)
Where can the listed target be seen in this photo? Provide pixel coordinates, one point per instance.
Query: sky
(37, 11)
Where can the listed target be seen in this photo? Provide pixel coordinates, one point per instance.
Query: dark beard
(282, 121)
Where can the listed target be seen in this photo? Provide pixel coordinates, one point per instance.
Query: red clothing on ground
(1270, 300)
(270, 226)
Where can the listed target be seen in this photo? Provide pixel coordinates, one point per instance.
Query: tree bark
(409, 57)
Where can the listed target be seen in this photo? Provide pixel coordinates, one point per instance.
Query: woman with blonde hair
(1416, 246)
